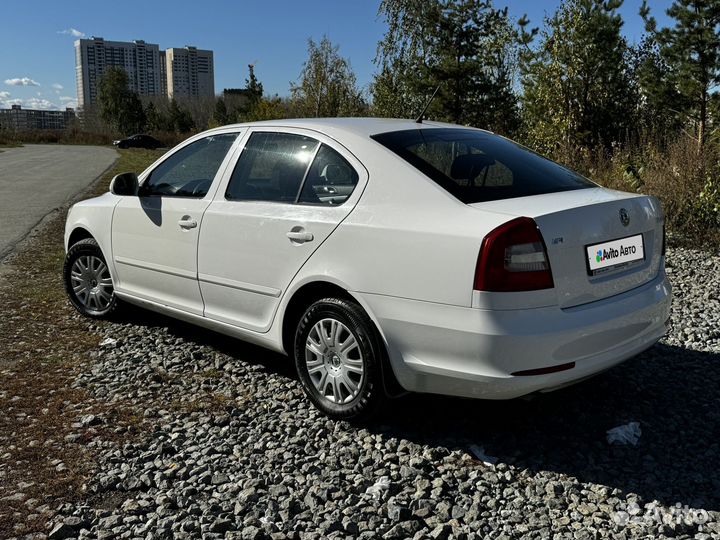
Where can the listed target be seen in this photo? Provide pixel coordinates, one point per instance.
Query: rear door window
(291, 168)
(271, 167)
(476, 166)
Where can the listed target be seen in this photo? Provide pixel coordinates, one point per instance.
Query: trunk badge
(624, 217)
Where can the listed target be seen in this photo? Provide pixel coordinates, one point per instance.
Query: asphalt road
(36, 179)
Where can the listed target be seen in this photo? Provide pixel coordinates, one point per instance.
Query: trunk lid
(571, 221)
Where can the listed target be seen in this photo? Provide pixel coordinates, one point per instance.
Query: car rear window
(476, 166)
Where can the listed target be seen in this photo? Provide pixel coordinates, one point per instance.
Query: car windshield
(477, 166)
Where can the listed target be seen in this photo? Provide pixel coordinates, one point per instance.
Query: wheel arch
(77, 234)
(310, 291)
(300, 300)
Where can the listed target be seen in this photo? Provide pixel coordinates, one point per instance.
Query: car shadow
(672, 392)
(235, 348)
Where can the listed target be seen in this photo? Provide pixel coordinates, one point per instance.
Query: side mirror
(124, 184)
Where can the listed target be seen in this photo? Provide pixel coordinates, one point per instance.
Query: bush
(54, 136)
(76, 136)
(170, 138)
(686, 182)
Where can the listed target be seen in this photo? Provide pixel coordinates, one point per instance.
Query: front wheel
(337, 355)
(87, 280)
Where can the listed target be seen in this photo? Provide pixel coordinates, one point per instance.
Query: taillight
(513, 258)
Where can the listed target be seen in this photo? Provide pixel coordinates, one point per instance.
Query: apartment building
(163, 73)
(190, 72)
(17, 118)
(176, 72)
(140, 60)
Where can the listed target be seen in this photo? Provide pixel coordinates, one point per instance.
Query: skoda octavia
(382, 256)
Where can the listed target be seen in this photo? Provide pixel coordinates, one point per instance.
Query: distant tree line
(573, 89)
(573, 81)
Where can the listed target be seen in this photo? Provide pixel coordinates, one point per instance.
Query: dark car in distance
(139, 141)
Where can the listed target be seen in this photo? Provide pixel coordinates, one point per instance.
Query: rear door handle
(187, 223)
(300, 236)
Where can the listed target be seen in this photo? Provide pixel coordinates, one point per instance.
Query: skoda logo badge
(624, 217)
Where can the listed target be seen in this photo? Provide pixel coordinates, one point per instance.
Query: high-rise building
(177, 72)
(163, 74)
(190, 72)
(140, 60)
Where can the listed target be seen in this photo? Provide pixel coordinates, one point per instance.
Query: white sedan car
(383, 256)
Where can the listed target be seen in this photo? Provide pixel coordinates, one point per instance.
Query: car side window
(330, 180)
(190, 171)
(271, 167)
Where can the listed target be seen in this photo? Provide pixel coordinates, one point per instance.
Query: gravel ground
(230, 448)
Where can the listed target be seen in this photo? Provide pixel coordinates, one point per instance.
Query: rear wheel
(87, 280)
(337, 356)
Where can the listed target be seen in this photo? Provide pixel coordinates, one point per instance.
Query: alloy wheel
(91, 282)
(334, 361)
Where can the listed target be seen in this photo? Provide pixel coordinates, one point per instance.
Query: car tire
(338, 356)
(87, 280)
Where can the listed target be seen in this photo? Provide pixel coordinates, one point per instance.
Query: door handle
(187, 223)
(300, 237)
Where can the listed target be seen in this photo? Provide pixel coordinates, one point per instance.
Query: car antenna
(429, 101)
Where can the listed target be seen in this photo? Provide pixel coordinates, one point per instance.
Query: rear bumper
(472, 352)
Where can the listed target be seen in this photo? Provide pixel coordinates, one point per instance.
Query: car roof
(364, 127)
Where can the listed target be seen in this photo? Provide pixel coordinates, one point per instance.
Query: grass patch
(44, 344)
(11, 144)
(210, 374)
(210, 402)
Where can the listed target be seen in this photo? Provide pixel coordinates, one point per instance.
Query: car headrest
(468, 166)
(335, 174)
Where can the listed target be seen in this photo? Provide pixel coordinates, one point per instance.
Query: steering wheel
(160, 189)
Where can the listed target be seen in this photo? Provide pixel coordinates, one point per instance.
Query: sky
(37, 62)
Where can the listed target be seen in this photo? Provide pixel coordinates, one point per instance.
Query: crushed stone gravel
(230, 447)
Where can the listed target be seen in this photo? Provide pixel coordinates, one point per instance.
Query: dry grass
(50, 136)
(686, 182)
(44, 343)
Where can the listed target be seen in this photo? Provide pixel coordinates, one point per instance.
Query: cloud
(4, 95)
(7, 103)
(72, 32)
(37, 103)
(68, 101)
(57, 86)
(25, 81)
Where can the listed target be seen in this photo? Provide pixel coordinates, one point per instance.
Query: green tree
(120, 107)
(253, 87)
(220, 115)
(155, 119)
(180, 118)
(268, 108)
(691, 49)
(660, 104)
(400, 89)
(577, 87)
(327, 85)
(466, 48)
(253, 106)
